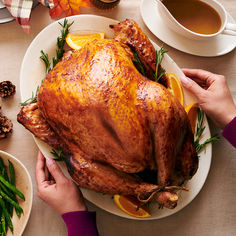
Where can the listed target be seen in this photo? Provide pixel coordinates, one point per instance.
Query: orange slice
(131, 206)
(191, 110)
(77, 41)
(174, 87)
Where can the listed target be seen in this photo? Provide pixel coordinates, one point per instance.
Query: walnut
(7, 89)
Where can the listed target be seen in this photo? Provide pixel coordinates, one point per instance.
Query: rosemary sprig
(159, 57)
(200, 146)
(32, 99)
(159, 72)
(139, 65)
(199, 131)
(44, 57)
(58, 154)
(61, 41)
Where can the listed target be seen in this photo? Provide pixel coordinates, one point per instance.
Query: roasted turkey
(116, 127)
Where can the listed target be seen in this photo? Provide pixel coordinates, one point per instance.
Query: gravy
(194, 15)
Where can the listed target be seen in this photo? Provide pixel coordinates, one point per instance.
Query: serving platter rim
(27, 85)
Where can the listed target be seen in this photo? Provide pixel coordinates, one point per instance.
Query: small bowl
(172, 23)
(105, 4)
(24, 184)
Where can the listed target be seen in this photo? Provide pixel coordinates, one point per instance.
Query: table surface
(212, 212)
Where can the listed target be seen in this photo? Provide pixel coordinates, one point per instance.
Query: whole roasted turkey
(116, 127)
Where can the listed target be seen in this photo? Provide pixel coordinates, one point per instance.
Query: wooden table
(212, 212)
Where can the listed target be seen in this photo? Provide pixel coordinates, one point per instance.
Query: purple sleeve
(81, 223)
(229, 132)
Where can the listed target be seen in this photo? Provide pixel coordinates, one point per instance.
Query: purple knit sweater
(229, 132)
(83, 223)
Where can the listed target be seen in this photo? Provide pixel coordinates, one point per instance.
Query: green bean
(10, 209)
(4, 172)
(8, 199)
(18, 212)
(12, 181)
(7, 216)
(12, 173)
(7, 191)
(12, 196)
(7, 206)
(12, 188)
(3, 223)
(3, 169)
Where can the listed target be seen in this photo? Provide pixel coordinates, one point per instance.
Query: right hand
(212, 93)
(55, 189)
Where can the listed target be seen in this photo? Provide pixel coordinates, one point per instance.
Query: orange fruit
(174, 87)
(131, 206)
(77, 41)
(191, 110)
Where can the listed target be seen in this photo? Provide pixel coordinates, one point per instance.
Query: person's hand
(212, 93)
(55, 189)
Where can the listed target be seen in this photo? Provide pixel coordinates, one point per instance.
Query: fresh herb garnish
(58, 154)
(32, 99)
(44, 57)
(61, 41)
(199, 146)
(139, 65)
(159, 57)
(159, 72)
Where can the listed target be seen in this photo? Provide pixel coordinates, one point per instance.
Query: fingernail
(49, 161)
(184, 80)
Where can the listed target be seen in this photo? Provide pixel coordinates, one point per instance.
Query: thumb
(54, 170)
(192, 86)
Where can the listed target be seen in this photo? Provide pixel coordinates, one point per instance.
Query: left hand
(55, 189)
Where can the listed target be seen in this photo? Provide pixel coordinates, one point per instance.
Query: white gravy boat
(171, 22)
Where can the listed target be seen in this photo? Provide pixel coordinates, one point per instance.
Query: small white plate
(1, 5)
(24, 184)
(5, 15)
(218, 46)
(33, 71)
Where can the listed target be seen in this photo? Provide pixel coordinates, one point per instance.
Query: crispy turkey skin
(111, 120)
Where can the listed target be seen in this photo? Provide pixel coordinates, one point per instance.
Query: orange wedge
(191, 110)
(174, 87)
(131, 206)
(77, 41)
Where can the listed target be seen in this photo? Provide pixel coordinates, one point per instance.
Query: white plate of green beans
(16, 195)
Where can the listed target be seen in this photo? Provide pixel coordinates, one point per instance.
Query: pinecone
(7, 89)
(5, 126)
